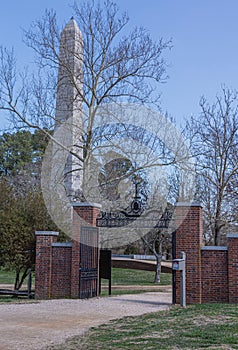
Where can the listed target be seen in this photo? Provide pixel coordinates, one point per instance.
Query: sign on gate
(105, 268)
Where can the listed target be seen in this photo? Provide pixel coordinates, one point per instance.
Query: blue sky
(204, 33)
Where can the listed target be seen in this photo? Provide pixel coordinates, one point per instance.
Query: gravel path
(33, 326)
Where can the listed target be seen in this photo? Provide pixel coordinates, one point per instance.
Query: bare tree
(158, 241)
(116, 65)
(214, 139)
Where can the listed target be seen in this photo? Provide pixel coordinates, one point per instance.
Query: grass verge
(16, 300)
(6, 276)
(7, 280)
(211, 326)
(137, 277)
(128, 281)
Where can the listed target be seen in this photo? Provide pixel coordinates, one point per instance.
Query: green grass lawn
(119, 277)
(137, 277)
(7, 277)
(142, 280)
(211, 326)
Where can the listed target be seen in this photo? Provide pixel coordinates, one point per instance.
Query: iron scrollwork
(124, 217)
(133, 212)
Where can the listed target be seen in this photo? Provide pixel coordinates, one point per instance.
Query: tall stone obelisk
(69, 106)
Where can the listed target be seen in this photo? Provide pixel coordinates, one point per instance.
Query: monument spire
(68, 113)
(70, 77)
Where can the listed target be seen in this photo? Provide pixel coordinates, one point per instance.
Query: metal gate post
(173, 272)
(183, 281)
(179, 265)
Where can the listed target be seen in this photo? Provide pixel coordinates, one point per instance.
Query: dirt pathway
(34, 326)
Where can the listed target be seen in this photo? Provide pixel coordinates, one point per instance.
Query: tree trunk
(158, 268)
(18, 281)
(217, 236)
(16, 285)
(24, 275)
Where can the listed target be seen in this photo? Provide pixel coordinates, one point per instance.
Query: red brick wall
(189, 240)
(61, 270)
(211, 272)
(44, 240)
(57, 266)
(232, 243)
(214, 275)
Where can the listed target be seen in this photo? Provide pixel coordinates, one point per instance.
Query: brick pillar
(83, 213)
(44, 240)
(232, 244)
(87, 212)
(189, 240)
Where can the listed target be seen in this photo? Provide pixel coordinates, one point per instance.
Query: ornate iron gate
(89, 262)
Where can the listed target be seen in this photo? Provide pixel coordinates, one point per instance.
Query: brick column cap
(62, 244)
(86, 204)
(211, 247)
(46, 233)
(188, 204)
(232, 235)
